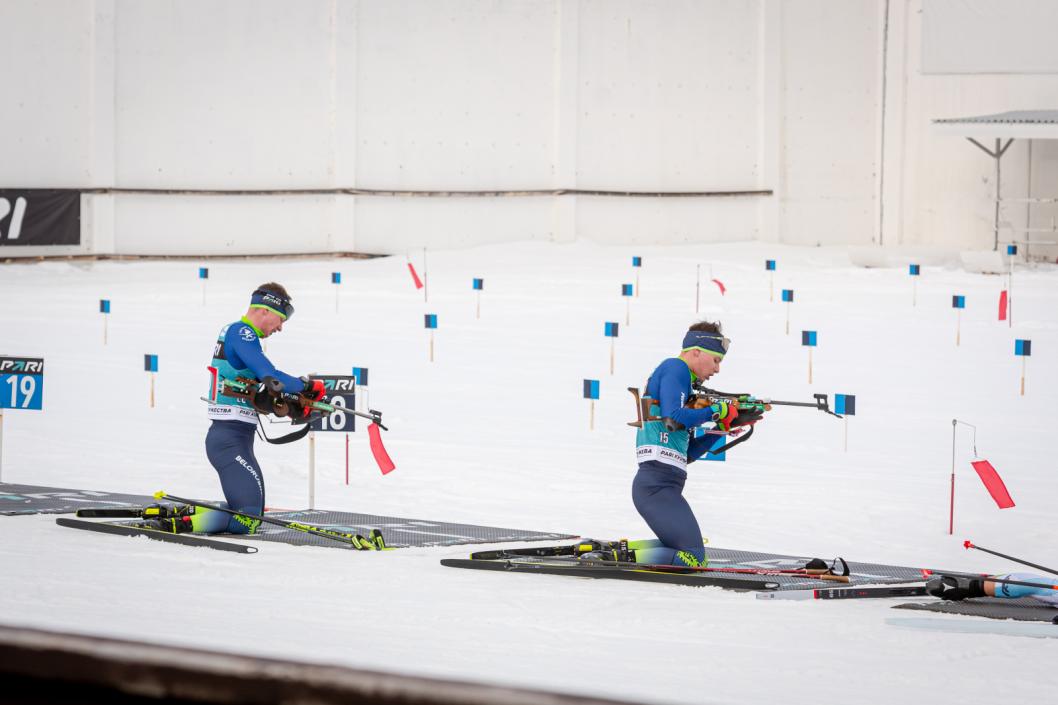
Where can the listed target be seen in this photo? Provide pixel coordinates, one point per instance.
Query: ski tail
(105, 527)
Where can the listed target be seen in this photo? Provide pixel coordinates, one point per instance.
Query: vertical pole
(958, 325)
(431, 345)
(1023, 359)
(478, 316)
(787, 318)
(914, 291)
(697, 286)
(810, 365)
(152, 390)
(312, 469)
(104, 329)
(771, 286)
(1010, 294)
(951, 504)
(591, 417)
(637, 283)
(425, 278)
(995, 224)
(846, 433)
(347, 460)
(336, 289)
(628, 310)
(203, 292)
(613, 346)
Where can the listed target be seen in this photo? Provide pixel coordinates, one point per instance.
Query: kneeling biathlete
(230, 439)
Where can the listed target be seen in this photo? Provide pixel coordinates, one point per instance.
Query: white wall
(507, 95)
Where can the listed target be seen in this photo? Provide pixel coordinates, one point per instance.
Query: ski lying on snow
(111, 513)
(124, 530)
(587, 570)
(977, 626)
(845, 593)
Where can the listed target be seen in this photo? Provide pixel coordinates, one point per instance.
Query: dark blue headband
(713, 343)
(271, 301)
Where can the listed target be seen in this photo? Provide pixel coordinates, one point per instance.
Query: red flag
(723, 289)
(414, 276)
(1003, 305)
(378, 450)
(993, 483)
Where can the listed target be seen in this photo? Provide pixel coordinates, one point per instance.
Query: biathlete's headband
(712, 343)
(271, 301)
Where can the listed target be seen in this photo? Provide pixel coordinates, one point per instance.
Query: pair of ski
(560, 560)
(358, 542)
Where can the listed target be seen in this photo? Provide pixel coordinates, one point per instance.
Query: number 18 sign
(21, 383)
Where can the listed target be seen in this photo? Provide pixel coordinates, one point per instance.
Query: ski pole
(983, 576)
(970, 544)
(355, 540)
(668, 567)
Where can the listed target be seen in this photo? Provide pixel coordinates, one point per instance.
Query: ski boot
(165, 511)
(954, 587)
(605, 551)
(170, 525)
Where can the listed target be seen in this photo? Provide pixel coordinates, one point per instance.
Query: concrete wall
(824, 103)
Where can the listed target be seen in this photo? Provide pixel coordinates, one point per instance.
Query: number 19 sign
(21, 383)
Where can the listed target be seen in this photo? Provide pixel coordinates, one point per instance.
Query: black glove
(953, 587)
(314, 388)
(747, 416)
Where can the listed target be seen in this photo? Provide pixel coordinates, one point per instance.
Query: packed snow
(495, 431)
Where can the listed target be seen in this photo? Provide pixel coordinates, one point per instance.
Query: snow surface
(495, 432)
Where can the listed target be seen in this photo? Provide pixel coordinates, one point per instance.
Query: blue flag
(150, 363)
(958, 302)
(336, 277)
(104, 305)
(626, 290)
(637, 261)
(203, 272)
(1023, 347)
(360, 376)
(787, 295)
(611, 330)
(591, 389)
(431, 320)
(808, 337)
(914, 270)
(845, 404)
(479, 285)
(769, 264)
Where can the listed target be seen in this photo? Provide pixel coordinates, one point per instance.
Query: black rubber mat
(1023, 609)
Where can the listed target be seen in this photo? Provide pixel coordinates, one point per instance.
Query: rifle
(268, 397)
(703, 397)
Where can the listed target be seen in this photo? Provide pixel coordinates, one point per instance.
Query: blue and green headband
(271, 301)
(713, 343)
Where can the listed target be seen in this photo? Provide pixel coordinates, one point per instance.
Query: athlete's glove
(314, 388)
(724, 414)
(747, 416)
(955, 587)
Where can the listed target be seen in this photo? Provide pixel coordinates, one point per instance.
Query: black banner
(40, 217)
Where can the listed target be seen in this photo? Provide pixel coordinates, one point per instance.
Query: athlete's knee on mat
(209, 521)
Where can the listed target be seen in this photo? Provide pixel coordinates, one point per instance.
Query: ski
(542, 551)
(154, 534)
(107, 513)
(356, 541)
(589, 570)
(846, 593)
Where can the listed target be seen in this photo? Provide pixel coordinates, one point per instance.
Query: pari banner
(40, 217)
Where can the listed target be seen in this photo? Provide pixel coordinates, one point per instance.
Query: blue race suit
(229, 441)
(663, 455)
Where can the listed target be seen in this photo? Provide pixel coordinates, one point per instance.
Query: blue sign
(718, 457)
(203, 272)
(958, 302)
(611, 330)
(336, 277)
(479, 285)
(808, 337)
(845, 404)
(1012, 249)
(769, 264)
(150, 363)
(431, 320)
(591, 389)
(787, 295)
(637, 261)
(1023, 347)
(22, 383)
(914, 270)
(104, 305)
(626, 290)
(360, 375)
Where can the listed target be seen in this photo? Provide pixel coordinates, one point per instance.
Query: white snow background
(495, 432)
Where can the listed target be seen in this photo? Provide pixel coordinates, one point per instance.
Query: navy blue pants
(657, 493)
(229, 447)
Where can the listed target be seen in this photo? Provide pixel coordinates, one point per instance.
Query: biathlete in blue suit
(959, 587)
(664, 446)
(230, 439)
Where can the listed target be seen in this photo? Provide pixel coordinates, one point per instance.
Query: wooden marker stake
(152, 390)
(810, 365)
(104, 329)
(431, 345)
(613, 346)
(1023, 358)
(958, 325)
(787, 318)
(591, 416)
